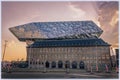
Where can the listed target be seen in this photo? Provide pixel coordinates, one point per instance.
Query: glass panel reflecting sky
(67, 29)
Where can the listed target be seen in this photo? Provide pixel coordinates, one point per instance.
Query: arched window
(60, 64)
(47, 64)
(30, 62)
(81, 65)
(53, 64)
(39, 62)
(74, 64)
(33, 62)
(36, 62)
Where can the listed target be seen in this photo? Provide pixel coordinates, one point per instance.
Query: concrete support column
(44, 66)
(63, 65)
(71, 65)
(50, 65)
(37, 64)
(29, 64)
(77, 65)
(56, 64)
(32, 65)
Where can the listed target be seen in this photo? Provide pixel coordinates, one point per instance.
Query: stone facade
(64, 44)
(69, 57)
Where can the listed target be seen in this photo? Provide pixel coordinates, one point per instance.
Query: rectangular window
(103, 57)
(87, 58)
(83, 57)
(99, 57)
(107, 57)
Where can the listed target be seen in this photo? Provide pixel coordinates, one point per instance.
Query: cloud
(108, 18)
(114, 19)
(104, 14)
(85, 11)
(77, 13)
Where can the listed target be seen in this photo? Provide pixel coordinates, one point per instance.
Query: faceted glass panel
(49, 30)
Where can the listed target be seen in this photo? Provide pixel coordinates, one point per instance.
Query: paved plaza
(59, 75)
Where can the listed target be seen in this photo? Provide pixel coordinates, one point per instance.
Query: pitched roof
(69, 43)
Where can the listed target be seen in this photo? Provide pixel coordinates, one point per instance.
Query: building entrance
(60, 64)
(81, 65)
(47, 64)
(74, 64)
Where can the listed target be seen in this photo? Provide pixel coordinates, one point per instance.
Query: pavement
(58, 75)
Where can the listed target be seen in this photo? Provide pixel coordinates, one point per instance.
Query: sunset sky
(104, 14)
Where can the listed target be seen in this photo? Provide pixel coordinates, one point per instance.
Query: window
(36, 62)
(65, 56)
(107, 57)
(83, 57)
(74, 64)
(87, 57)
(53, 64)
(103, 57)
(39, 62)
(99, 57)
(60, 64)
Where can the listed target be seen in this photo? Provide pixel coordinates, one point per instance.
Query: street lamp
(4, 49)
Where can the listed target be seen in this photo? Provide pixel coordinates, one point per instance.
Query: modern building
(68, 44)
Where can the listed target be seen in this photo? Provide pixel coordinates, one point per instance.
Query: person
(8, 68)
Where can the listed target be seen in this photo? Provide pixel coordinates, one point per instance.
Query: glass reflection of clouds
(51, 30)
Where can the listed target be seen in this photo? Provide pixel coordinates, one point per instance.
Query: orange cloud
(114, 19)
(108, 18)
(104, 14)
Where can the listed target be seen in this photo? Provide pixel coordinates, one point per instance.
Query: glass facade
(54, 43)
(49, 30)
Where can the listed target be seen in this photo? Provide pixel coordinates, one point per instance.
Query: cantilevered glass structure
(59, 30)
(64, 44)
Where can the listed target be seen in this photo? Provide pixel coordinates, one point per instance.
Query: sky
(104, 14)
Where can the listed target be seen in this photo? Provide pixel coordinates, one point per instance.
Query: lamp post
(4, 50)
